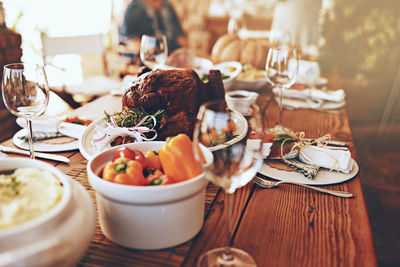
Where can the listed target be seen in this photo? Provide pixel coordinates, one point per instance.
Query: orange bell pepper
(152, 160)
(177, 158)
(124, 171)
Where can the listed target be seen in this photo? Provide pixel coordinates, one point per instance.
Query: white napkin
(52, 125)
(255, 143)
(315, 94)
(329, 157)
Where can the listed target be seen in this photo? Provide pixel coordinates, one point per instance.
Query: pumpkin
(230, 47)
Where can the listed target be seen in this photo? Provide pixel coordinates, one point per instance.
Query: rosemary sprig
(131, 117)
(282, 137)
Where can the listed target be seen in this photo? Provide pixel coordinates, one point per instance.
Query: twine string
(302, 142)
(138, 131)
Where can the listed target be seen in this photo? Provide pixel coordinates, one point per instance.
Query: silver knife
(37, 154)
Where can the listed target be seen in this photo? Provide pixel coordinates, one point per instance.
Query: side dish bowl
(55, 237)
(147, 217)
(251, 85)
(229, 69)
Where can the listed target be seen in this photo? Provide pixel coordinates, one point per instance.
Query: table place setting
(312, 98)
(307, 161)
(307, 92)
(51, 134)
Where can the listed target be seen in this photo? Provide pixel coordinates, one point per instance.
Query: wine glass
(236, 159)
(282, 68)
(153, 50)
(25, 93)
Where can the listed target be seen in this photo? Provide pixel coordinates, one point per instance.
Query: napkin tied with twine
(312, 154)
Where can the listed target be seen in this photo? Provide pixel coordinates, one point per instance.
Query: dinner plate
(324, 176)
(50, 145)
(239, 133)
(88, 151)
(85, 143)
(292, 103)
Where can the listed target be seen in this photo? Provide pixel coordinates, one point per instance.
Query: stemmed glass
(153, 50)
(282, 68)
(236, 159)
(25, 93)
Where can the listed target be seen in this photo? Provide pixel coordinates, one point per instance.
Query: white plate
(45, 145)
(291, 103)
(240, 131)
(85, 143)
(324, 176)
(87, 150)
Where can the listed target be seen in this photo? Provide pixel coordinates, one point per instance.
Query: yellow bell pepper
(177, 158)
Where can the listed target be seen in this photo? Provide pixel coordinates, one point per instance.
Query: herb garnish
(281, 137)
(10, 188)
(131, 117)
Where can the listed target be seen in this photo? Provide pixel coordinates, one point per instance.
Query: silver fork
(269, 184)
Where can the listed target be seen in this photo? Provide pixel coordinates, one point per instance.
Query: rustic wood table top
(285, 226)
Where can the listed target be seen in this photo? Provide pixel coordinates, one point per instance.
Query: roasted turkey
(178, 92)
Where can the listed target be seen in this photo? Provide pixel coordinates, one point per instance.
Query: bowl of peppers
(150, 195)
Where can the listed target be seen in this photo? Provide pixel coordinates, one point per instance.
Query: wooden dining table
(285, 226)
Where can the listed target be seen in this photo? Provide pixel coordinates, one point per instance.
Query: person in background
(151, 17)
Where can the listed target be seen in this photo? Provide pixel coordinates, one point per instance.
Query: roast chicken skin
(178, 92)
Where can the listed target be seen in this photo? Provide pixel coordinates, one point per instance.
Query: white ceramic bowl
(199, 63)
(252, 85)
(223, 68)
(56, 238)
(240, 100)
(147, 217)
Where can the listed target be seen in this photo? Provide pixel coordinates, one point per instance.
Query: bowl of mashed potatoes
(41, 215)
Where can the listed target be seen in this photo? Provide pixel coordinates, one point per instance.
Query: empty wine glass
(236, 159)
(25, 93)
(282, 68)
(153, 50)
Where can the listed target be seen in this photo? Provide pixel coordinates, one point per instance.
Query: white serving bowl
(199, 63)
(55, 238)
(252, 85)
(229, 82)
(222, 67)
(147, 217)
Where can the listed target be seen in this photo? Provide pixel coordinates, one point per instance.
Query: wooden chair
(82, 45)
